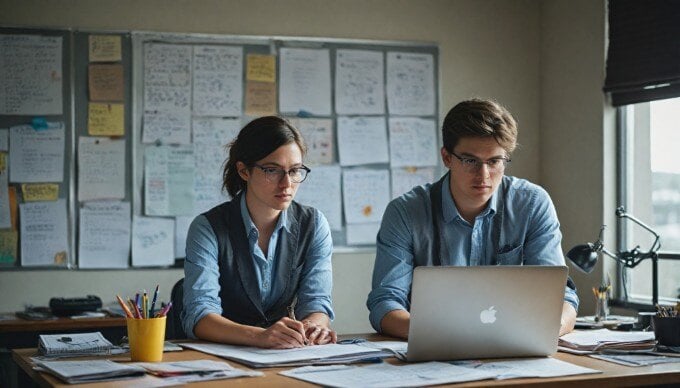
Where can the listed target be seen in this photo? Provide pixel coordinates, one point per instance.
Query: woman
(255, 262)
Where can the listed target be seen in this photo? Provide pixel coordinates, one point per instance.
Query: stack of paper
(588, 341)
(74, 372)
(73, 344)
(308, 355)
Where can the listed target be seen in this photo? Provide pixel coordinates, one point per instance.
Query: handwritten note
(106, 119)
(3, 162)
(105, 82)
(362, 234)
(365, 194)
(362, 140)
(166, 127)
(167, 78)
(44, 228)
(5, 209)
(404, 179)
(359, 82)
(260, 98)
(413, 142)
(104, 235)
(214, 131)
(37, 156)
(31, 75)
(169, 180)
(104, 48)
(218, 85)
(8, 246)
(101, 168)
(152, 241)
(318, 135)
(305, 81)
(261, 68)
(40, 192)
(4, 139)
(208, 161)
(321, 190)
(410, 84)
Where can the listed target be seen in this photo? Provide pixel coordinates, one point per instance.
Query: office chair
(173, 328)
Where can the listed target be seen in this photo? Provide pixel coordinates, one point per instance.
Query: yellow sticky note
(260, 98)
(3, 161)
(8, 245)
(40, 192)
(106, 119)
(261, 68)
(104, 48)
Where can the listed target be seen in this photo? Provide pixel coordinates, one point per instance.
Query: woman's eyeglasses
(275, 174)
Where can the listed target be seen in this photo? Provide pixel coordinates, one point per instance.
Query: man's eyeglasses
(472, 165)
(275, 174)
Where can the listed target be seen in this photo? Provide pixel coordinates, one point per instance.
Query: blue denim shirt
(201, 269)
(532, 223)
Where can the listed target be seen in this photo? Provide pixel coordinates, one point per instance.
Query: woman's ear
(243, 171)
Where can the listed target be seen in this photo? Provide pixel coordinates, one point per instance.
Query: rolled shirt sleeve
(201, 275)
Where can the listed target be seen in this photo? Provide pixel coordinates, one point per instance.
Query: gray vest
(240, 291)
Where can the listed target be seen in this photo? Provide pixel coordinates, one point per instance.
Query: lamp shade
(584, 256)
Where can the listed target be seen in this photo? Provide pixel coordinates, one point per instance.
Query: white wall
(488, 48)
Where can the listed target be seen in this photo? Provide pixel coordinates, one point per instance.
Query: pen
(165, 310)
(125, 308)
(138, 314)
(153, 302)
(291, 315)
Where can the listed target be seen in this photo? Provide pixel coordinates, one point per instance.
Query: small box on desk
(667, 330)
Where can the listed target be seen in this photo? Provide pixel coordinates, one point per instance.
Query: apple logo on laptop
(488, 315)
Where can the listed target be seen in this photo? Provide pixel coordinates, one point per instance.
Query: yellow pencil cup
(146, 338)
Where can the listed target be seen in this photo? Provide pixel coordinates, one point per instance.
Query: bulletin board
(145, 126)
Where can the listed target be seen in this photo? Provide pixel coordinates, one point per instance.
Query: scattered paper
(305, 81)
(104, 235)
(101, 168)
(166, 127)
(37, 155)
(44, 227)
(31, 75)
(169, 173)
(106, 119)
(410, 84)
(217, 80)
(365, 195)
(215, 131)
(105, 82)
(104, 48)
(35, 192)
(321, 190)
(362, 140)
(359, 82)
(208, 192)
(167, 78)
(152, 241)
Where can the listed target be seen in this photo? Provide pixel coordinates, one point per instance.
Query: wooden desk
(613, 375)
(20, 333)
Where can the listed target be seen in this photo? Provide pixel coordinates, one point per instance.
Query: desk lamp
(585, 255)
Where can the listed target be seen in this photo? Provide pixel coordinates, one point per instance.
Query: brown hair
(254, 142)
(480, 118)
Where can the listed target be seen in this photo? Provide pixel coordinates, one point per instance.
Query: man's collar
(450, 211)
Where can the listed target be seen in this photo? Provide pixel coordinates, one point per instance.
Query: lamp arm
(621, 213)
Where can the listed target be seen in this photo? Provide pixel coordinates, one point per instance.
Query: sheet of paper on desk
(635, 359)
(89, 370)
(182, 372)
(262, 358)
(387, 375)
(531, 367)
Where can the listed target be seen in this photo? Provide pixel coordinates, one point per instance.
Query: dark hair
(480, 118)
(254, 142)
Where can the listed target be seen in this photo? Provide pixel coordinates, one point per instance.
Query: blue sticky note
(39, 123)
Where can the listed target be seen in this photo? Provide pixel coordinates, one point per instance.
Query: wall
(577, 133)
(489, 48)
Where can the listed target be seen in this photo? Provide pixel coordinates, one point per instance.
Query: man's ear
(243, 171)
(446, 157)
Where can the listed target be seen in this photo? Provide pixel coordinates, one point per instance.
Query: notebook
(485, 312)
(73, 344)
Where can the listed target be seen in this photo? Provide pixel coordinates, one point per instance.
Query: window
(650, 190)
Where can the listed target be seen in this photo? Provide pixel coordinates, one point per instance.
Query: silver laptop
(485, 312)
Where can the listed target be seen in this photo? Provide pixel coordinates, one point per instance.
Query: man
(473, 216)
